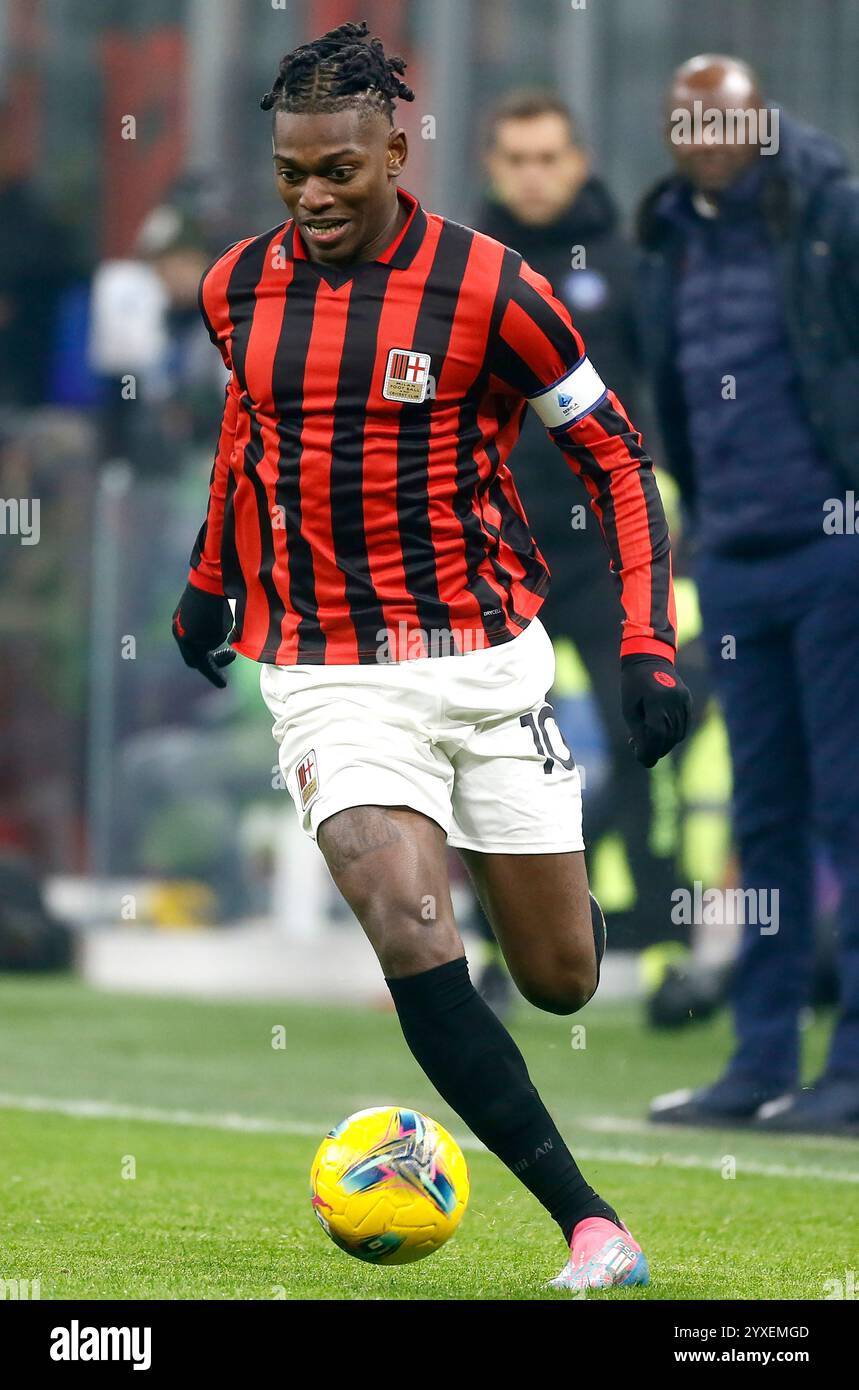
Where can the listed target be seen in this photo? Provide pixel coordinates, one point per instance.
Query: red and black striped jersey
(361, 504)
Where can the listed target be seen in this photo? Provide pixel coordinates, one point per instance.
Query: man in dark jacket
(750, 323)
(547, 204)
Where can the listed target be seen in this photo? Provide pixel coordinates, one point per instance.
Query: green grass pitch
(220, 1128)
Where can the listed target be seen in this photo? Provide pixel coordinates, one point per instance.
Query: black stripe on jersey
(431, 335)
(501, 359)
(411, 242)
(507, 281)
(241, 297)
(347, 457)
(507, 363)
(547, 319)
(514, 531)
(516, 534)
(288, 379)
(536, 577)
(492, 607)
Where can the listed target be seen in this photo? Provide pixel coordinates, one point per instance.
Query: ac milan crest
(406, 376)
(307, 778)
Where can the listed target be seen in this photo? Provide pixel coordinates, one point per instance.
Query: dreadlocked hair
(345, 67)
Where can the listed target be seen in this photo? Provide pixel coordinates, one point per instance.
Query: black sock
(477, 1068)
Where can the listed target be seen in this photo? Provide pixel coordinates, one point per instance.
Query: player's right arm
(203, 619)
(205, 571)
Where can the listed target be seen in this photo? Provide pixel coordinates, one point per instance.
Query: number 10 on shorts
(543, 737)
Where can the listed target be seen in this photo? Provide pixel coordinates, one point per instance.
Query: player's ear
(398, 152)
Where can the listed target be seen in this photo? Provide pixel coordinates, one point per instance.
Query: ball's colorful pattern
(389, 1185)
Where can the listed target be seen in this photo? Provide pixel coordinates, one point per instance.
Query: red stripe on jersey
(213, 298)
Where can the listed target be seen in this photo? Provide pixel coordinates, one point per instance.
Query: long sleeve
(540, 355)
(205, 572)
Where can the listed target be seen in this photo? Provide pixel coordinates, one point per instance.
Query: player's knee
(405, 940)
(565, 986)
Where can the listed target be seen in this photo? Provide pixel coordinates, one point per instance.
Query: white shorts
(469, 740)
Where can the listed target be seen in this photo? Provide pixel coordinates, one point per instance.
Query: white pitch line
(627, 1124)
(250, 1124)
(108, 1110)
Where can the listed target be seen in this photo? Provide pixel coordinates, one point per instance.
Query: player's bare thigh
(390, 864)
(540, 909)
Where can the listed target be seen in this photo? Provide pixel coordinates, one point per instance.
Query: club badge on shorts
(406, 376)
(308, 778)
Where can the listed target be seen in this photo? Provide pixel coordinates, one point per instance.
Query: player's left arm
(541, 355)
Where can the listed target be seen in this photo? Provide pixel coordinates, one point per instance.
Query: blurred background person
(38, 263)
(546, 201)
(146, 330)
(162, 387)
(750, 324)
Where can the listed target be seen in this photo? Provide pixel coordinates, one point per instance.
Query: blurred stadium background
(134, 798)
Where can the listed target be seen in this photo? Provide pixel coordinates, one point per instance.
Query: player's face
(337, 175)
(535, 168)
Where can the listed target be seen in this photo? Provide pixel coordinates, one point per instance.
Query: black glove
(655, 704)
(201, 624)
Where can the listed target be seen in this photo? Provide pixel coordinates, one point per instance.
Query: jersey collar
(399, 253)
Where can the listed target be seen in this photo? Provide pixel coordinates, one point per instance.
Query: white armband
(567, 400)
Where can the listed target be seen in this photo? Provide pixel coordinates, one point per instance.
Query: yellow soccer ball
(389, 1185)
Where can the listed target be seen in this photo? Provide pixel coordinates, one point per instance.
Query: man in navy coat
(749, 300)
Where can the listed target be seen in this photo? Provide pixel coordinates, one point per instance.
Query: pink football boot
(602, 1256)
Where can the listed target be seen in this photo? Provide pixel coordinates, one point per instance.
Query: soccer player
(363, 517)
